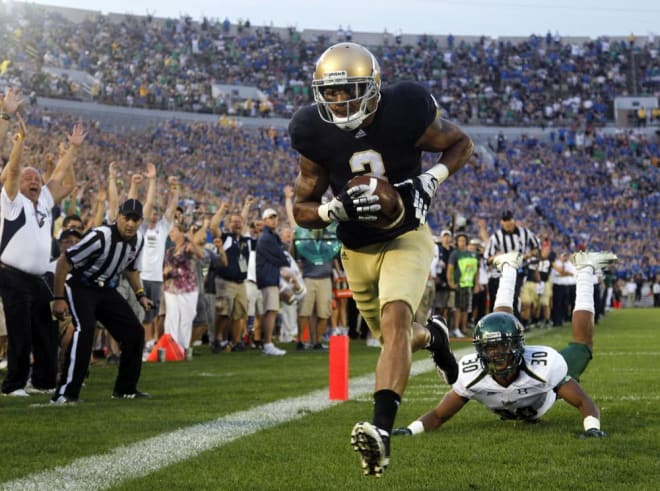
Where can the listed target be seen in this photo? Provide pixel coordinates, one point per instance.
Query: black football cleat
(373, 445)
(440, 350)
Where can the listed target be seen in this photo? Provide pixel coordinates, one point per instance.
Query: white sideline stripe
(142, 458)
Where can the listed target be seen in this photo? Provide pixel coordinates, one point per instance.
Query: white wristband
(324, 212)
(439, 171)
(591, 422)
(416, 427)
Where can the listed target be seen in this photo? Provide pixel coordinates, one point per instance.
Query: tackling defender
(517, 381)
(357, 128)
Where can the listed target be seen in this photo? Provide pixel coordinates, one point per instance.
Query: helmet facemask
(502, 357)
(363, 95)
(500, 344)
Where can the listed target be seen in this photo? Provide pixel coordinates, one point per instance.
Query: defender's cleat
(595, 260)
(440, 350)
(373, 445)
(513, 258)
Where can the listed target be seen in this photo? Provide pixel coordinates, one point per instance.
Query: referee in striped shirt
(511, 237)
(95, 264)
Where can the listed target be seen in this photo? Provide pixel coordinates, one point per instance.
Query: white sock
(584, 290)
(506, 288)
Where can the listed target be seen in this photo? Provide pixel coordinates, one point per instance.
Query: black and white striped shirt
(102, 255)
(521, 239)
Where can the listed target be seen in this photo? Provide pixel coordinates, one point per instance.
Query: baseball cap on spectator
(131, 208)
(268, 212)
(507, 215)
(445, 232)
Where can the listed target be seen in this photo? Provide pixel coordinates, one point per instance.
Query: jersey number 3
(369, 161)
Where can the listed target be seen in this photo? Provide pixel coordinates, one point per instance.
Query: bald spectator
(26, 215)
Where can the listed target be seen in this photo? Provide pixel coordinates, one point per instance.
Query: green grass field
(474, 451)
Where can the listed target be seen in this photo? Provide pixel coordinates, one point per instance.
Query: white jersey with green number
(528, 397)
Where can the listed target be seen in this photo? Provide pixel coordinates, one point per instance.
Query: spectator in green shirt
(461, 275)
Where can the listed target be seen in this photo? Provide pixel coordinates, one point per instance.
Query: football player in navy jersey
(523, 382)
(356, 128)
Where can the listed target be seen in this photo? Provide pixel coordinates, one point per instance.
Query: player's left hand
(593, 433)
(419, 193)
(401, 432)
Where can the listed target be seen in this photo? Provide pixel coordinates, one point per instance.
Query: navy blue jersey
(385, 148)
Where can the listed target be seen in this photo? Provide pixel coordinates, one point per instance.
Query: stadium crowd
(172, 64)
(575, 188)
(552, 185)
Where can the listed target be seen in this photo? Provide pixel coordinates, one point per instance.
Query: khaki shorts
(318, 298)
(546, 298)
(255, 300)
(271, 298)
(231, 299)
(390, 271)
(528, 293)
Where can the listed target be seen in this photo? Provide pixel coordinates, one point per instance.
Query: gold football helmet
(346, 85)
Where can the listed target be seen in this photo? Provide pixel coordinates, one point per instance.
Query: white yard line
(142, 458)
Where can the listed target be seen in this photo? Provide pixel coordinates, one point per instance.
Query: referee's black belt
(19, 271)
(94, 283)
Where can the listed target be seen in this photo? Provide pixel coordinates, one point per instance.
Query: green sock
(577, 356)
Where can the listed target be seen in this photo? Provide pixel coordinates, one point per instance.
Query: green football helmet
(500, 344)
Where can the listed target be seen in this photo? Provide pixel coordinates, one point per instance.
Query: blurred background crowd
(576, 181)
(181, 64)
(595, 190)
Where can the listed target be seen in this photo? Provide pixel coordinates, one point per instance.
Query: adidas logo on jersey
(360, 133)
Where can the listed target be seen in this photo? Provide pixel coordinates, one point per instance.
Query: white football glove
(351, 205)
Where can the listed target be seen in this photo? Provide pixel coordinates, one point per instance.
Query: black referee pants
(89, 305)
(559, 304)
(30, 328)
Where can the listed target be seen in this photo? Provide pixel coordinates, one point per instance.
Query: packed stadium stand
(210, 101)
